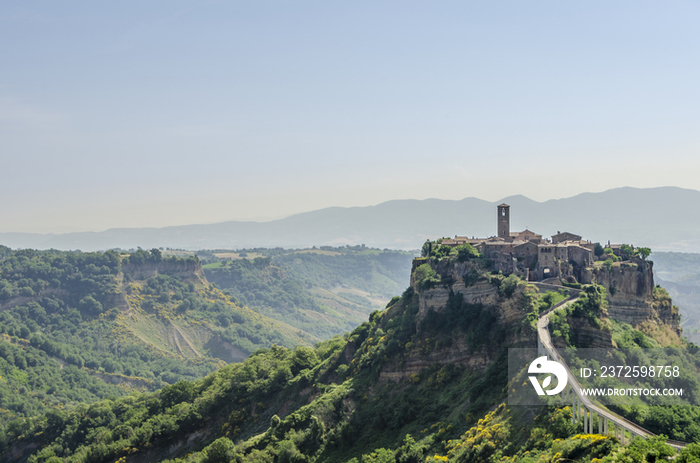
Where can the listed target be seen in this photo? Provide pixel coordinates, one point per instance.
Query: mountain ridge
(656, 217)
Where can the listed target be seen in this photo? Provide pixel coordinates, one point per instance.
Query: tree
(304, 357)
(410, 451)
(627, 251)
(222, 450)
(425, 276)
(466, 251)
(156, 255)
(26, 291)
(610, 254)
(599, 251)
(643, 253)
(650, 450)
(182, 391)
(508, 285)
(427, 248)
(138, 258)
(89, 305)
(690, 454)
(6, 291)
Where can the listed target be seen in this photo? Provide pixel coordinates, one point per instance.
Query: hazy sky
(123, 114)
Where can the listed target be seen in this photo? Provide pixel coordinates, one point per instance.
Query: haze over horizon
(194, 112)
(273, 219)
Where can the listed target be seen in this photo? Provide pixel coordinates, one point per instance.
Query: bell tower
(503, 221)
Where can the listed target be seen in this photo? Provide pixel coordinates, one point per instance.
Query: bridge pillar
(573, 410)
(578, 408)
(606, 427)
(616, 433)
(622, 435)
(540, 347)
(585, 420)
(600, 425)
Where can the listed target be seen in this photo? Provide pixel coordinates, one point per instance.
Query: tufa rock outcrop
(468, 279)
(632, 296)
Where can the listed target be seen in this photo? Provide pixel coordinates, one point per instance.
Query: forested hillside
(415, 383)
(323, 291)
(78, 327)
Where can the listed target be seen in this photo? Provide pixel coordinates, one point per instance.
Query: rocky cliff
(452, 274)
(469, 279)
(477, 290)
(586, 334)
(632, 296)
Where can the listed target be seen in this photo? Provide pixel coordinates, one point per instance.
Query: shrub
(508, 285)
(466, 251)
(608, 264)
(220, 451)
(471, 278)
(426, 277)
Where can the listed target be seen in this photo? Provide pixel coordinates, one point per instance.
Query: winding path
(582, 406)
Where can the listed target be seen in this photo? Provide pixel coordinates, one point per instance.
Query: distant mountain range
(664, 219)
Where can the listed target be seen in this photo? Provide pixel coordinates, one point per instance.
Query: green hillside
(79, 327)
(323, 292)
(409, 385)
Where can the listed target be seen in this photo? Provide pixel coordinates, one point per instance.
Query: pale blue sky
(159, 113)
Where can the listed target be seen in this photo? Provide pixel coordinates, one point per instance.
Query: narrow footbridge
(583, 408)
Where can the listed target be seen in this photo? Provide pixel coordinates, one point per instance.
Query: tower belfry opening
(503, 221)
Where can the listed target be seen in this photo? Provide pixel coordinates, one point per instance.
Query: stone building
(528, 253)
(560, 237)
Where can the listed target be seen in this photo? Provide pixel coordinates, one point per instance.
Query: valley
(422, 379)
(97, 325)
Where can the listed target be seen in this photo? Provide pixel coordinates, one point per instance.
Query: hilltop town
(528, 254)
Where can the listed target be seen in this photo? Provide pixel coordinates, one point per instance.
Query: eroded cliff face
(458, 353)
(632, 297)
(510, 313)
(510, 310)
(481, 292)
(585, 334)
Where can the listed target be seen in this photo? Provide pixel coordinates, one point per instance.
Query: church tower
(503, 221)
